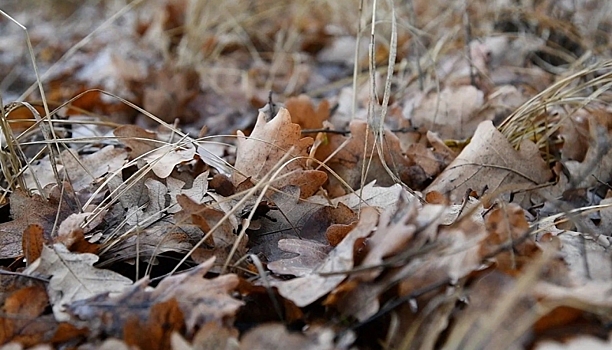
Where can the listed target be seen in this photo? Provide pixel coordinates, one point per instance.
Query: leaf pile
(455, 195)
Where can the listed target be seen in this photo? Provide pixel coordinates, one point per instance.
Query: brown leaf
(291, 217)
(348, 162)
(452, 253)
(201, 300)
(311, 255)
(165, 318)
(21, 309)
(489, 160)
(305, 290)
(456, 109)
(257, 154)
(27, 210)
(275, 336)
(73, 277)
(33, 241)
(160, 155)
(303, 113)
(222, 239)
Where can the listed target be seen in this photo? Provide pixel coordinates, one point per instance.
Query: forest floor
(318, 174)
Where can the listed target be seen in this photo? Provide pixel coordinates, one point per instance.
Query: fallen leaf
(311, 255)
(303, 113)
(489, 160)
(275, 336)
(165, 318)
(27, 210)
(33, 242)
(20, 312)
(201, 300)
(305, 290)
(348, 162)
(73, 278)
(162, 156)
(84, 170)
(212, 336)
(451, 112)
(259, 153)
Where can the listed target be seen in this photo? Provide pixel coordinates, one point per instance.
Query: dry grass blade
(576, 91)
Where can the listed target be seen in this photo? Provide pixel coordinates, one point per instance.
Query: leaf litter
(462, 203)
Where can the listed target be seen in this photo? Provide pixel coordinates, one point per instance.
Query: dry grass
(402, 58)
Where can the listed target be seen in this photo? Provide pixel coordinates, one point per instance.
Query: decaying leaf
(163, 155)
(73, 277)
(20, 311)
(164, 319)
(305, 290)
(27, 210)
(201, 300)
(223, 238)
(311, 255)
(349, 161)
(82, 170)
(259, 153)
(303, 113)
(490, 161)
(276, 337)
(450, 113)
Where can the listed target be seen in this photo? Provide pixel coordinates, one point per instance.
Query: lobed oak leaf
(595, 166)
(489, 160)
(201, 300)
(304, 114)
(164, 156)
(437, 253)
(197, 192)
(27, 210)
(306, 289)
(19, 315)
(257, 154)
(289, 222)
(84, 170)
(223, 238)
(349, 161)
(73, 277)
(311, 255)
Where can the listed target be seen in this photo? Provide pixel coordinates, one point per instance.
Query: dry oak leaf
(73, 277)
(290, 219)
(197, 192)
(84, 170)
(200, 299)
(311, 255)
(275, 336)
(20, 311)
(489, 160)
(303, 113)
(161, 156)
(27, 210)
(594, 169)
(348, 162)
(307, 289)
(456, 109)
(259, 153)
(223, 238)
(452, 252)
(164, 319)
